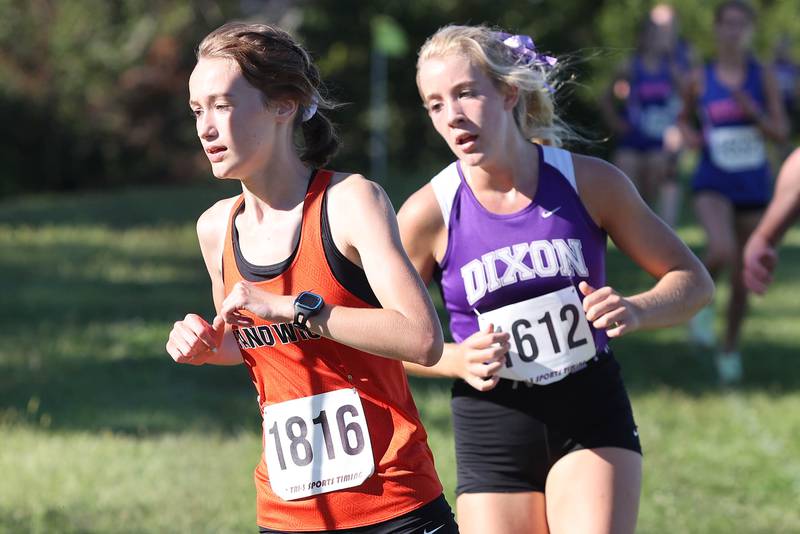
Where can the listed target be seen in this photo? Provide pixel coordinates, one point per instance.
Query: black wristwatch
(307, 304)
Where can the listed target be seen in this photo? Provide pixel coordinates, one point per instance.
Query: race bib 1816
(317, 444)
(550, 336)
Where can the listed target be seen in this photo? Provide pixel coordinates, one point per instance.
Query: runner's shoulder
(421, 211)
(213, 223)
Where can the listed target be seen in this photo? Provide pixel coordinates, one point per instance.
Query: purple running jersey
(494, 260)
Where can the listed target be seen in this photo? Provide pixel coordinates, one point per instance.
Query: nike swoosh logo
(432, 531)
(546, 214)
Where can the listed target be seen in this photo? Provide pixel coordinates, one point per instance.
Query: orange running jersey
(287, 363)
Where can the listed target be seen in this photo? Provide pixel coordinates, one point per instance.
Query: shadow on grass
(70, 301)
(151, 395)
(649, 366)
(652, 365)
(144, 396)
(139, 390)
(77, 282)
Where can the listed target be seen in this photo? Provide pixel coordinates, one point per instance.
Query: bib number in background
(550, 336)
(655, 120)
(317, 444)
(736, 148)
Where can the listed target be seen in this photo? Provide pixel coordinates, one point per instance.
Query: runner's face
(466, 108)
(734, 29)
(235, 126)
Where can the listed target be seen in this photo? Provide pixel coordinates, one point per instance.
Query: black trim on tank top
(347, 273)
(351, 276)
(259, 273)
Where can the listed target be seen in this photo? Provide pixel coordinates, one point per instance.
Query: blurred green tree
(93, 92)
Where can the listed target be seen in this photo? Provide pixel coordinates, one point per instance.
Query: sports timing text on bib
(550, 336)
(736, 148)
(317, 444)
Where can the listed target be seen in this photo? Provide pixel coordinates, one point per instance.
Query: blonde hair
(274, 63)
(535, 112)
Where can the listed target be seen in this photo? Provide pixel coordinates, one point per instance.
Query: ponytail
(320, 141)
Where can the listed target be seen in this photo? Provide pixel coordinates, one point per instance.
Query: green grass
(101, 432)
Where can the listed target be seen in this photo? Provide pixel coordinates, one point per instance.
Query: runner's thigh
(501, 513)
(594, 491)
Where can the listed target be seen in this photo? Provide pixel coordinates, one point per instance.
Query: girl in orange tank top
(314, 293)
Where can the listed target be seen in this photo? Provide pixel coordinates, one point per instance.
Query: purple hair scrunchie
(523, 48)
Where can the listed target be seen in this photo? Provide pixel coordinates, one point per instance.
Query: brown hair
(274, 63)
(741, 5)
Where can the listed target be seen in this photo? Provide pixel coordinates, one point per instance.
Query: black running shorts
(436, 516)
(507, 439)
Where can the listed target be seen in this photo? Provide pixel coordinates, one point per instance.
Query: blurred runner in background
(648, 84)
(738, 105)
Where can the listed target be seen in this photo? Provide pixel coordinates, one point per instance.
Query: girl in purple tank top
(647, 85)
(738, 105)
(514, 231)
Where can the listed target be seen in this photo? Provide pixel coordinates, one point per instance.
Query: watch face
(309, 300)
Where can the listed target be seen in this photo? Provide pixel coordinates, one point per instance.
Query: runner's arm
(785, 205)
(691, 88)
(406, 327)
(771, 122)
(194, 340)
(775, 125)
(424, 237)
(760, 253)
(683, 285)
